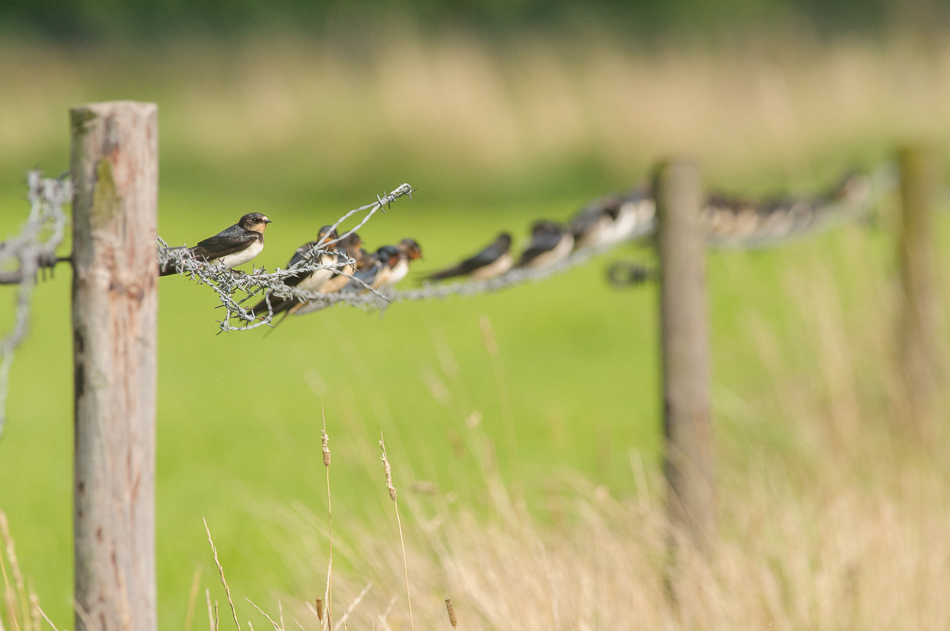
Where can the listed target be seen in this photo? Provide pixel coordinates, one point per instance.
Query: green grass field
(239, 414)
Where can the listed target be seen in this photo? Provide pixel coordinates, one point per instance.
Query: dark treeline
(135, 20)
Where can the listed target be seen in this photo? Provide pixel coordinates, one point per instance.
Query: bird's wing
(486, 257)
(229, 241)
(539, 245)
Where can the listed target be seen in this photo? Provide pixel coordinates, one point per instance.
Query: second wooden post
(685, 352)
(917, 334)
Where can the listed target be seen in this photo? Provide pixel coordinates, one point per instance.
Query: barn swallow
(231, 247)
(389, 257)
(376, 269)
(492, 261)
(311, 281)
(636, 212)
(550, 242)
(409, 250)
(352, 248)
(595, 224)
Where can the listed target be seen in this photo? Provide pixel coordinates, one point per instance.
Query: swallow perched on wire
(635, 215)
(490, 262)
(595, 223)
(352, 248)
(308, 281)
(232, 246)
(409, 250)
(376, 269)
(550, 242)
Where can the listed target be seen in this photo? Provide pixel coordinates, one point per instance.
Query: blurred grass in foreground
(493, 136)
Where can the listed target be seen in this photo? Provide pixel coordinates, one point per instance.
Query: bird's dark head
(504, 240)
(325, 235)
(611, 206)
(411, 248)
(852, 188)
(351, 245)
(255, 222)
(389, 255)
(545, 227)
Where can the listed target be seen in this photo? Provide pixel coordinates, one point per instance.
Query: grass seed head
(451, 610)
(388, 470)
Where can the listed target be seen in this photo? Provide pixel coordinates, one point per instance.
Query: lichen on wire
(24, 256)
(228, 284)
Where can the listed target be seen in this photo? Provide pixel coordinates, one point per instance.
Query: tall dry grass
(840, 525)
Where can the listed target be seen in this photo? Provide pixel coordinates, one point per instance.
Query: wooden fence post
(114, 169)
(919, 182)
(685, 352)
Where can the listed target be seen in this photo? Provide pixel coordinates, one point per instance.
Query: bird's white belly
(316, 280)
(601, 233)
(625, 224)
(562, 249)
(399, 272)
(498, 267)
(240, 258)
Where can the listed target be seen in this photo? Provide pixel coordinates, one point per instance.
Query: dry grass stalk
(9, 596)
(277, 627)
(507, 414)
(320, 610)
(193, 598)
(45, 617)
(212, 617)
(402, 541)
(34, 608)
(449, 608)
(227, 588)
(349, 610)
(15, 570)
(325, 438)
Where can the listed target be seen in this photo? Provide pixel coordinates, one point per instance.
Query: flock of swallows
(348, 268)
(345, 267)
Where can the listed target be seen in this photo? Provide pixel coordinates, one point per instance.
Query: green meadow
(239, 414)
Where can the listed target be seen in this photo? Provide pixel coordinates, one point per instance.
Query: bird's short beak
(266, 220)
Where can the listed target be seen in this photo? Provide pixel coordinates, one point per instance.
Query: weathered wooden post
(685, 352)
(114, 169)
(917, 339)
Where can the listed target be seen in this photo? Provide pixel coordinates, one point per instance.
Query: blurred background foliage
(133, 20)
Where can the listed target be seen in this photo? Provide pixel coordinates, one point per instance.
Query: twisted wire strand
(33, 249)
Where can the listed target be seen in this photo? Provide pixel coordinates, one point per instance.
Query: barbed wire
(227, 283)
(730, 223)
(33, 250)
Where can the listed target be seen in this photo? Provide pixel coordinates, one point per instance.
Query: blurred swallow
(595, 223)
(636, 212)
(410, 250)
(309, 281)
(389, 258)
(550, 242)
(492, 261)
(232, 246)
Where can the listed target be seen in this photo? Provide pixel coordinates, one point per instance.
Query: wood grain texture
(917, 329)
(114, 169)
(685, 352)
